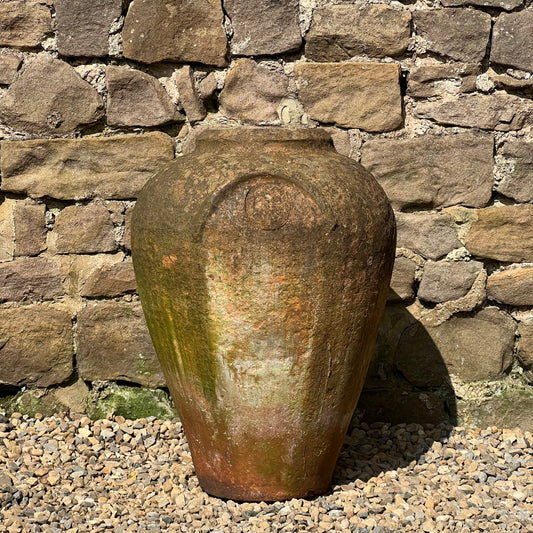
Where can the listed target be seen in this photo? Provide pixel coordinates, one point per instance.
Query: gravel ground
(58, 474)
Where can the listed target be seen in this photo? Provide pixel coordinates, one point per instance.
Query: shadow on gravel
(407, 404)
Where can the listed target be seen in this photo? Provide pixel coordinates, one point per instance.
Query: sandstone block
(137, 99)
(511, 40)
(447, 280)
(83, 27)
(108, 167)
(36, 346)
(508, 5)
(525, 346)
(30, 278)
(83, 230)
(511, 287)
(23, 24)
(433, 171)
(434, 79)
(175, 30)
(498, 111)
(351, 95)
(252, 93)
(190, 100)
(263, 27)
(503, 233)
(110, 281)
(114, 344)
(460, 34)
(517, 183)
(472, 348)
(9, 66)
(48, 97)
(127, 228)
(403, 280)
(30, 228)
(339, 32)
(7, 230)
(505, 81)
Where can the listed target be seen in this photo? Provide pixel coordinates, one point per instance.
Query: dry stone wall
(434, 98)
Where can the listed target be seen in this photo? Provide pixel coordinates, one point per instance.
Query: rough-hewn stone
(9, 65)
(511, 287)
(114, 344)
(511, 40)
(263, 27)
(403, 279)
(508, 5)
(252, 93)
(435, 79)
(472, 348)
(175, 30)
(190, 100)
(517, 182)
(108, 167)
(83, 230)
(36, 346)
(23, 24)
(29, 278)
(503, 233)
(351, 95)
(433, 171)
(127, 228)
(137, 99)
(48, 97)
(110, 281)
(499, 111)
(339, 32)
(447, 280)
(30, 228)
(525, 346)
(505, 81)
(83, 27)
(7, 230)
(461, 34)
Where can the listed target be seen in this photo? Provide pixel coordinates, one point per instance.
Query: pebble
(58, 474)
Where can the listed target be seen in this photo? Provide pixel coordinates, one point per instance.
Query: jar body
(263, 262)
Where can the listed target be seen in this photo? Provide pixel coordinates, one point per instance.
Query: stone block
(175, 30)
(502, 233)
(351, 95)
(339, 32)
(36, 346)
(264, 27)
(447, 280)
(252, 93)
(30, 278)
(460, 34)
(517, 180)
(7, 230)
(190, 100)
(83, 230)
(107, 167)
(114, 344)
(436, 79)
(48, 97)
(511, 287)
(433, 171)
(137, 99)
(525, 346)
(30, 228)
(9, 66)
(472, 348)
(110, 281)
(511, 40)
(24, 24)
(403, 280)
(83, 27)
(499, 111)
(127, 228)
(508, 5)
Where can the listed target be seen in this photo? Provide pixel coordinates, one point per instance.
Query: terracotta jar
(263, 261)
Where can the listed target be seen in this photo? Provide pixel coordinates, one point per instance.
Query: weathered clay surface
(48, 97)
(83, 27)
(23, 24)
(512, 40)
(113, 343)
(511, 287)
(256, 243)
(517, 182)
(175, 30)
(351, 95)
(434, 79)
(108, 167)
(339, 32)
(37, 346)
(433, 171)
(263, 27)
